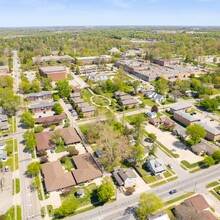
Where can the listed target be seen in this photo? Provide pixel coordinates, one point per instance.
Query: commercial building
(180, 107)
(51, 120)
(164, 62)
(42, 106)
(184, 118)
(53, 72)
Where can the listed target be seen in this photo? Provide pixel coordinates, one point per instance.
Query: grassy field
(169, 202)
(100, 100)
(63, 148)
(68, 164)
(86, 95)
(132, 118)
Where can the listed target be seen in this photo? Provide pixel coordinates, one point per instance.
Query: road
(29, 199)
(189, 184)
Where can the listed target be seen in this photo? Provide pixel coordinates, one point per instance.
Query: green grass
(86, 95)
(172, 178)
(63, 148)
(169, 202)
(100, 100)
(50, 210)
(167, 114)
(189, 165)
(212, 184)
(89, 197)
(147, 101)
(167, 174)
(132, 118)
(37, 182)
(170, 214)
(17, 182)
(16, 145)
(15, 126)
(68, 164)
(158, 184)
(142, 171)
(149, 179)
(215, 194)
(10, 214)
(13, 186)
(19, 212)
(43, 212)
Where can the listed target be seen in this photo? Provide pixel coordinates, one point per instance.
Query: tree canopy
(196, 132)
(27, 119)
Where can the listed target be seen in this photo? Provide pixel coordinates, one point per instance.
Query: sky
(25, 13)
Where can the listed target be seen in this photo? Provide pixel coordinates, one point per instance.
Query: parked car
(218, 192)
(212, 119)
(173, 191)
(170, 166)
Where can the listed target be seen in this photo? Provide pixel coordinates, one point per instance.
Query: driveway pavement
(53, 200)
(171, 142)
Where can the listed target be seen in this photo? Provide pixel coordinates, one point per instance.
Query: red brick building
(53, 72)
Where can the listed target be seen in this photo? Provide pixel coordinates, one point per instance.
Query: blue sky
(108, 12)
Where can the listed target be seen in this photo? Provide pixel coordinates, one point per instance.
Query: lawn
(147, 101)
(100, 100)
(214, 192)
(169, 202)
(167, 174)
(63, 148)
(158, 183)
(212, 184)
(89, 198)
(149, 179)
(10, 214)
(17, 182)
(86, 95)
(190, 165)
(15, 126)
(50, 210)
(37, 182)
(132, 118)
(83, 128)
(68, 165)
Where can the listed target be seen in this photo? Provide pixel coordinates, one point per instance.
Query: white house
(156, 166)
(158, 216)
(150, 94)
(98, 77)
(125, 177)
(159, 98)
(152, 114)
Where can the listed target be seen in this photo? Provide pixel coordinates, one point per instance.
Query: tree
(27, 119)
(63, 88)
(30, 144)
(152, 137)
(154, 109)
(148, 204)
(137, 154)
(38, 129)
(105, 192)
(196, 132)
(57, 108)
(73, 152)
(161, 86)
(11, 105)
(33, 169)
(68, 207)
(216, 155)
(57, 139)
(138, 127)
(209, 104)
(209, 161)
(77, 70)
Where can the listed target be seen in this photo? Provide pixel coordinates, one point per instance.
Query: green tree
(63, 88)
(209, 104)
(216, 155)
(30, 144)
(137, 154)
(138, 124)
(209, 161)
(161, 86)
(38, 129)
(33, 168)
(148, 204)
(68, 207)
(152, 137)
(105, 192)
(27, 119)
(77, 70)
(196, 132)
(57, 108)
(11, 105)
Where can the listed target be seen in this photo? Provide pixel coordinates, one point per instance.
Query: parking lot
(173, 144)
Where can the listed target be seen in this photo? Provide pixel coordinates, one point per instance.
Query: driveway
(171, 142)
(53, 200)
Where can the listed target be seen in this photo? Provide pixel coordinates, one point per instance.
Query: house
(212, 134)
(53, 72)
(42, 106)
(159, 98)
(83, 105)
(3, 155)
(156, 166)
(194, 206)
(40, 96)
(4, 125)
(129, 102)
(158, 216)
(77, 100)
(75, 95)
(86, 168)
(154, 121)
(69, 136)
(167, 122)
(150, 94)
(152, 114)
(186, 107)
(180, 132)
(114, 50)
(51, 120)
(55, 178)
(125, 177)
(204, 148)
(125, 97)
(119, 94)
(88, 111)
(184, 118)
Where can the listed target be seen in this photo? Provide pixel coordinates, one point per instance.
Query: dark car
(172, 191)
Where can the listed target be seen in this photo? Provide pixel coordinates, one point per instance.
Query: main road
(119, 208)
(29, 199)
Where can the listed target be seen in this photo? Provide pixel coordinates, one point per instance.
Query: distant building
(75, 95)
(129, 102)
(180, 106)
(98, 77)
(184, 118)
(3, 155)
(156, 166)
(47, 59)
(94, 59)
(152, 114)
(53, 72)
(163, 62)
(42, 106)
(159, 98)
(125, 177)
(51, 120)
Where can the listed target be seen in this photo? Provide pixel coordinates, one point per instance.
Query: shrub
(42, 153)
(63, 159)
(73, 152)
(52, 127)
(38, 129)
(43, 159)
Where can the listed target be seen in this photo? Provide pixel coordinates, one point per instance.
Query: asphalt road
(190, 184)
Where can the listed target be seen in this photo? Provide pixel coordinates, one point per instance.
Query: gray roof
(209, 129)
(160, 215)
(121, 174)
(4, 125)
(180, 106)
(125, 97)
(42, 105)
(52, 69)
(129, 102)
(3, 154)
(39, 94)
(88, 109)
(77, 100)
(75, 95)
(156, 165)
(119, 93)
(204, 147)
(83, 104)
(180, 130)
(186, 116)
